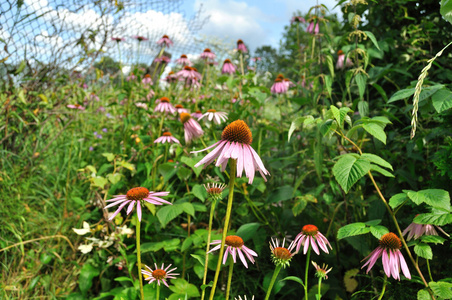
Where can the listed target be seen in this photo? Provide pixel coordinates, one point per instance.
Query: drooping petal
(314, 245)
(403, 265)
(139, 210)
(118, 210)
(386, 265)
(130, 207)
(242, 258)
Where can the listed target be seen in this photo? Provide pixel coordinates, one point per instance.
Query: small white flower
(125, 230)
(85, 248)
(84, 230)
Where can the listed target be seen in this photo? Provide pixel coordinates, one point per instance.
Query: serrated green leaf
(402, 94)
(438, 219)
(247, 231)
(114, 178)
(168, 213)
(378, 231)
(330, 64)
(336, 114)
(183, 173)
(397, 200)
(363, 108)
(280, 194)
(442, 100)
(188, 208)
(361, 81)
(432, 239)
(200, 192)
(433, 197)
(299, 205)
(191, 163)
(99, 181)
(423, 295)
(423, 250)
(372, 38)
(187, 243)
(446, 10)
(297, 123)
(348, 170)
(376, 160)
(328, 127)
(376, 131)
(167, 170)
(441, 289)
(352, 230)
(85, 280)
(381, 170)
(181, 286)
(110, 156)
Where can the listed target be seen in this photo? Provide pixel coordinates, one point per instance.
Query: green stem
(233, 166)
(157, 297)
(272, 282)
(429, 272)
(241, 64)
(139, 258)
(166, 153)
(306, 274)
(161, 125)
(206, 262)
(231, 268)
(384, 288)
(319, 294)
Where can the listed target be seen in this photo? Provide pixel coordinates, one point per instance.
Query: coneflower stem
(157, 296)
(139, 258)
(272, 282)
(206, 262)
(384, 288)
(319, 294)
(306, 274)
(161, 125)
(233, 164)
(231, 268)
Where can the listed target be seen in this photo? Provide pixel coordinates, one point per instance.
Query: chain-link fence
(48, 36)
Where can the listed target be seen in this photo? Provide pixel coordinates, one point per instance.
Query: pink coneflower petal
(404, 267)
(242, 258)
(139, 210)
(115, 203)
(118, 210)
(131, 205)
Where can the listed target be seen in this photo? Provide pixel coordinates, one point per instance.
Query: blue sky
(256, 22)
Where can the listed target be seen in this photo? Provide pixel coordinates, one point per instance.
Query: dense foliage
(357, 142)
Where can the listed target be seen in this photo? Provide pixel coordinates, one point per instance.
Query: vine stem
(383, 288)
(206, 262)
(233, 166)
(231, 268)
(139, 258)
(399, 231)
(272, 282)
(308, 256)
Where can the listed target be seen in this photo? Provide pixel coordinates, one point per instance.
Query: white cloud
(234, 20)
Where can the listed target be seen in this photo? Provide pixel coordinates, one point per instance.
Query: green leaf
(441, 289)
(297, 123)
(169, 212)
(433, 197)
(446, 10)
(294, 278)
(191, 163)
(188, 208)
(442, 100)
(437, 218)
(167, 170)
(352, 230)
(299, 205)
(281, 194)
(336, 114)
(329, 84)
(363, 108)
(372, 38)
(397, 200)
(376, 131)
(423, 250)
(402, 94)
(181, 286)
(361, 80)
(183, 173)
(376, 160)
(200, 192)
(123, 278)
(187, 244)
(99, 181)
(171, 245)
(329, 61)
(378, 231)
(109, 156)
(114, 178)
(423, 295)
(151, 247)
(247, 231)
(348, 170)
(199, 258)
(328, 127)
(432, 239)
(381, 170)
(85, 280)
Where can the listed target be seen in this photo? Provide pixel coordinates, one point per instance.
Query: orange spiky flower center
(207, 50)
(194, 69)
(147, 76)
(280, 76)
(138, 193)
(77, 105)
(183, 56)
(159, 274)
(227, 61)
(184, 117)
(178, 106)
(286, 79)
(211, 110)
(234, 241)
(167, 133)
(278, 79)
(165, 37)
(282, 253)
(198, 112)
(340, 52)
(310, 230)
(164, 99)
(239, 42)
(170, 160)
(188, 68)
(214, 191)
(237, 132)
(171, 73)
(390, 241)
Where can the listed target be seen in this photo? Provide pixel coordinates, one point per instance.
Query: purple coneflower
(167, 137)
(392, 258)
(183, 60)
(235, 245)
(150, 95)
(215, 190)
(418, 230)
(241, 46)
(164, 105)
(310, 235)
(136, 195)
(171, 77)
(140, 38)
(341, 63)
(189, 73)
(321, 272)
(117, 39)
(289, 83)
(235, 143)
(297, 19)
(197, 114)
(228, 67)
(311, 28)
(208, 54)
(147, 80)
(256, 58)
(163, 59)
(180, 109)
(192, 128)
(281, 255)
(279, 87)
(141, 105)
(165, 41)
(131, 77)
(75, 106)
(217, 116)
(158, 274)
